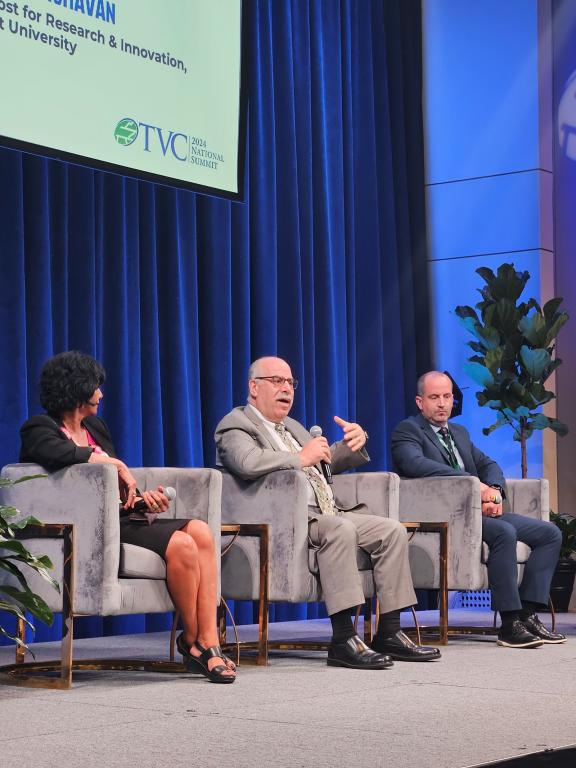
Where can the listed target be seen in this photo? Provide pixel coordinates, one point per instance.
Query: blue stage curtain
(324, 264)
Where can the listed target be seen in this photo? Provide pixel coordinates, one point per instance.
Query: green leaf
(31, 602)
(559, 427)
(554, 329)
(492, 427)
(551, 307)
(507, 316)
(534, 328)
(479, 373)
(5, 481)
(486, 274)
(8, 565)
(466, 311)
(535, 361)
(494, 359)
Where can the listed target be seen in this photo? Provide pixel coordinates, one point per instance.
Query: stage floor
(479, 703)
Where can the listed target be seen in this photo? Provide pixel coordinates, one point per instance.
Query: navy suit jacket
(417, 452)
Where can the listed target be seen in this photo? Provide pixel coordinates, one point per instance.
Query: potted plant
(17, 600)
(514, 353)
(563, 581)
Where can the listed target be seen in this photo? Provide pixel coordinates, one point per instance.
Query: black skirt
(154, 537)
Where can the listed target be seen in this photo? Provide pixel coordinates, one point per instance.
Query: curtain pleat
(175, 293)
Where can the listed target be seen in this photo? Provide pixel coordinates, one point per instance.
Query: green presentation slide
(151, 86)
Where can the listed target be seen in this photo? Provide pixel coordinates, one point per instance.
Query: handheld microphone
(141, 506)
(316, 431)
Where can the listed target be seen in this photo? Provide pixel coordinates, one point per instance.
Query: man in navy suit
(423, 446)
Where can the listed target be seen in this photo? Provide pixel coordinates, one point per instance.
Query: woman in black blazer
(69, 433)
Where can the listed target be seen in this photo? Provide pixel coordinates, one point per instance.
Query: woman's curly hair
(69, 380)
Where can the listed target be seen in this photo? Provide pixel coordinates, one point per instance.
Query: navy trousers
(501, 535)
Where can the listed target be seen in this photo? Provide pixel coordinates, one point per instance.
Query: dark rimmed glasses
(279, 380)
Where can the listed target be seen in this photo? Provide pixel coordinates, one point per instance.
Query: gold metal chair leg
(416, 625)
(234, 627)
(17, 674)
(552, 614)
(175, 620)
(368, 620)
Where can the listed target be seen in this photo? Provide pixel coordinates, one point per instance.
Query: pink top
(91, 442)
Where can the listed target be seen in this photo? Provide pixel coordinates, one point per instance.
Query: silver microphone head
(170, 493)
(316, 431)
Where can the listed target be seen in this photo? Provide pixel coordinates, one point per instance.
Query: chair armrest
(378, 491)
(86, 495)
(456, 500)
(198, 493)
(529, 497)
(279, 499)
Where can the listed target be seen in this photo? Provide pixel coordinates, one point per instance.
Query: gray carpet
(479, 703)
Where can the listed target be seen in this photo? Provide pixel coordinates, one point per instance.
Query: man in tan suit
(259, 438)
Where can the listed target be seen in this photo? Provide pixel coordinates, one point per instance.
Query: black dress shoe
(401, 648)
(515, 635)
(536, 628)
(355, 654)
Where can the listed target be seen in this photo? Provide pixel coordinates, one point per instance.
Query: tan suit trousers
(336, 540)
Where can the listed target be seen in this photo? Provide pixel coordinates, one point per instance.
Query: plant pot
(562, 584)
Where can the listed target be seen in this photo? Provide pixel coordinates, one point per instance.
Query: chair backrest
(87, 495)
(280, 499)
(458, 501)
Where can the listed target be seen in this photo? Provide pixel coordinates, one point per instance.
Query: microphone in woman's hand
(170, 493)
(141, 506)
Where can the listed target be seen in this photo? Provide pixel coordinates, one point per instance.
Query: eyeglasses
(279, 380)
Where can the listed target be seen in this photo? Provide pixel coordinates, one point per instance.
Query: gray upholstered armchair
(280, 499)
(457, 501)
(110, 578)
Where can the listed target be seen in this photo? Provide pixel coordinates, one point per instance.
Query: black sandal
(200, 663)
(227, 660)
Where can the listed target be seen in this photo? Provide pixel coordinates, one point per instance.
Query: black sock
(508, 617)
(529, 608)
(388, 624)
(342, 627)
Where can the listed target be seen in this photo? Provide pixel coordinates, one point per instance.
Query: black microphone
(316, 431)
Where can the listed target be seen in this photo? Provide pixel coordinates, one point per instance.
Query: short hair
(252, 370)
(422, 380)
(68, 380)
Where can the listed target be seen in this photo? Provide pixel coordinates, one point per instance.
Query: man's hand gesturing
(354, 435)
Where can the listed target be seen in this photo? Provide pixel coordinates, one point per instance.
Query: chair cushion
(522, 552)
(139, 563)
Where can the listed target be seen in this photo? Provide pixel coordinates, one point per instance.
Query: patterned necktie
(446, 440)
(315, 478)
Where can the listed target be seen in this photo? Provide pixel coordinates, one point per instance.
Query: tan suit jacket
(245, 448)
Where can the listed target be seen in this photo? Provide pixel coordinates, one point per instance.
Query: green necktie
(446, 440)
(316, 479)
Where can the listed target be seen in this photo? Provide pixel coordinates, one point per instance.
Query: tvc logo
(170, 142)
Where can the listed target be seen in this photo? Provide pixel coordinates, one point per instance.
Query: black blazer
(44, 443)
(417, 452)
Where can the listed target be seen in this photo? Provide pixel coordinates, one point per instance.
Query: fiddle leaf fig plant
(17, 600)
(514, 353)
(567, 526)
